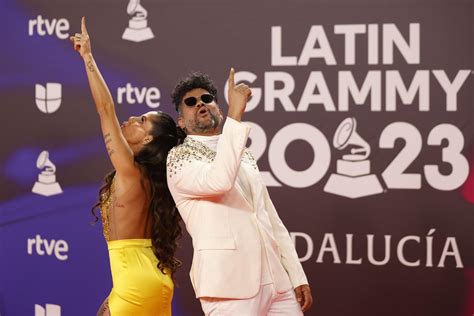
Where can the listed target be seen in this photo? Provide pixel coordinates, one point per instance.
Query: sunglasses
(205, 98)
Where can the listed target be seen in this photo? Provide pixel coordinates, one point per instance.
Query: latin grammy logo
(46, 184)
(353, 178)
(137, 30)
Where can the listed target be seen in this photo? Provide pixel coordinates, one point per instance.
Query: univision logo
(50, 310)
(48, 99)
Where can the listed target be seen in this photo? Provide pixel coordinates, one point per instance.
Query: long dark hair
(151, 159)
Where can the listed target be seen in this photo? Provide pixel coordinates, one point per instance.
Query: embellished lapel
(191, 150)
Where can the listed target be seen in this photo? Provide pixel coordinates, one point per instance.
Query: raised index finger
(231, 78)
(83, 25)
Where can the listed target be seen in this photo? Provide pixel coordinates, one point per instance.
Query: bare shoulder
(130, 185)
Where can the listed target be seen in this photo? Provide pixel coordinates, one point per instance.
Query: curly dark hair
(192, 81)
(151, 159)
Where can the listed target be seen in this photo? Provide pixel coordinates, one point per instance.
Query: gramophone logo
(46, 184)
(48, 99)
(353, 178)
(137, 30)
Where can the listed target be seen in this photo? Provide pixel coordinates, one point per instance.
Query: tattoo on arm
(90, 66)
(108, 139)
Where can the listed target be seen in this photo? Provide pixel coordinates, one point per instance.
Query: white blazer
(223, 223)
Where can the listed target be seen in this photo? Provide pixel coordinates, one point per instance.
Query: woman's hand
(81, 41)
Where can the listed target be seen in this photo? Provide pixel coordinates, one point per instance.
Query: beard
(204, 126)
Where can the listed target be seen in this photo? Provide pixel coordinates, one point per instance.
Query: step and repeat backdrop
(362, 122)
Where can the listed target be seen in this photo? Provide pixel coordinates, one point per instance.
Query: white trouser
(266, 302)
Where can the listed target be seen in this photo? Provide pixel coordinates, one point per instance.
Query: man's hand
(238, 97)
(304, 297)
(81, 41)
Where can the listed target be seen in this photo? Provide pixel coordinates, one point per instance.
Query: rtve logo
(150, 96)
(43, 246)
(50, 310)
(48, 98)
(49, 27)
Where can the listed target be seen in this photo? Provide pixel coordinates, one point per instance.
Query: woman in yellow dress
(139, 217)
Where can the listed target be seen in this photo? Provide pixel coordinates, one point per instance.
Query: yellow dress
(139, 287)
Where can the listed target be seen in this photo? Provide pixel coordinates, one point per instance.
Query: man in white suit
(244, 262)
